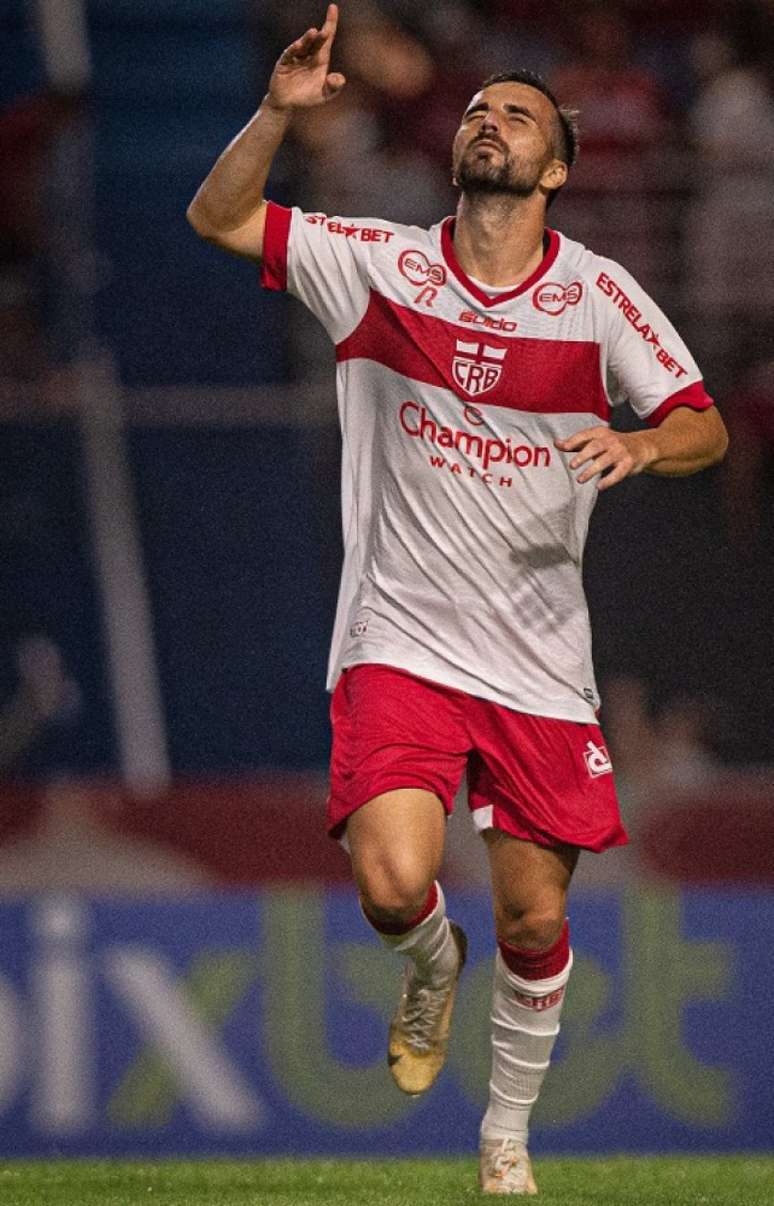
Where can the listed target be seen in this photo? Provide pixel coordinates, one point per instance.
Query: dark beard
(475, 178)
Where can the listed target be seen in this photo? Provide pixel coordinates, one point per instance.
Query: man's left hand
(613, 454)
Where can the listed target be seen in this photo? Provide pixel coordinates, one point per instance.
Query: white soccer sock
(429, 944)
(525, 1023)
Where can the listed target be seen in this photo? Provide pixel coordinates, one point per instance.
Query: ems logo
(597, 760)
(554, 299)
(417, 269)
(477, 367)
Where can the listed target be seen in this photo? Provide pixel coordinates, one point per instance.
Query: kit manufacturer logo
(597, 760)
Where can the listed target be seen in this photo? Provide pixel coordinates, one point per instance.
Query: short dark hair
(566, 142)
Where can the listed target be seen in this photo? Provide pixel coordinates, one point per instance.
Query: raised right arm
(229, 208)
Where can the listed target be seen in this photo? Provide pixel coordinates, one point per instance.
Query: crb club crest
(477, 367)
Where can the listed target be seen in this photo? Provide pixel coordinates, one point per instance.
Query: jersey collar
(486, 299)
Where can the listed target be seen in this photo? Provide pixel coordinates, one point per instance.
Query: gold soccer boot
(419, 1032)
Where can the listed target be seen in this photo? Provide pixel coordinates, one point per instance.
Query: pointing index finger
(331, 21)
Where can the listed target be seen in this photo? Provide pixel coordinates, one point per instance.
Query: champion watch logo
(477, 367)
(597, 760)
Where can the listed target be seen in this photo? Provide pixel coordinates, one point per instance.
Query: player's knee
(533, 928)
(394, 893)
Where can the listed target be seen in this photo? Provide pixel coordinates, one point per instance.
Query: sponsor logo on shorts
(538, 1003)
(554, 299)
(477, 367)
(359, 628)
(597, 760)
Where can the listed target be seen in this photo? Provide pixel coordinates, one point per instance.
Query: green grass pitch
(648, 1181)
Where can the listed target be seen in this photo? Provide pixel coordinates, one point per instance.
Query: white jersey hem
(584, 715)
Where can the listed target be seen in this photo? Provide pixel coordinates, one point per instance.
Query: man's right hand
(229, 209)
(301, 78)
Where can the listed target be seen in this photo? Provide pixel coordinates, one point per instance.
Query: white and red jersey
(464, 526)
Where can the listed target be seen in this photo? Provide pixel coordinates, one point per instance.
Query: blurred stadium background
(183, 967)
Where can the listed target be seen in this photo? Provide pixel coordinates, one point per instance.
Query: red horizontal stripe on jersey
(274, 262)
(694, 396)
(545, 376)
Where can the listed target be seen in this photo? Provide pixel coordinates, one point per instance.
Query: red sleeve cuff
(274, 265)
(694, 396)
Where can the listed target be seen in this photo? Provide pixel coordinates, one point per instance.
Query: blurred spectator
(748, 476)
(625, 143)
(43, 694)
(660, 756)
(658, 751)
(520, 33)
(25, 129)
(384, 119)
(748, 588)
(682, 756)
(729, 231)
(628, 728)
(424, 120)
(31, 128)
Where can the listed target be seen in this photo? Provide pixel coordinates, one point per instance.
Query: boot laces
(508, 1163)
(422, 1010)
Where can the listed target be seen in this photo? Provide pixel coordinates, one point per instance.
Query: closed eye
(518, 112)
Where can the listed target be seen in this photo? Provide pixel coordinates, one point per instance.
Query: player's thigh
(396, 844)
(529, 887)
(399, 752)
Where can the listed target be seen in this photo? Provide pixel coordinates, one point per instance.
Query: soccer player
(476, 365)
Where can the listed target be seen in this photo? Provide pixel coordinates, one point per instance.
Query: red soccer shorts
(541, 779)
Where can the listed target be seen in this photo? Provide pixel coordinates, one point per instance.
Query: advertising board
(255, 1023)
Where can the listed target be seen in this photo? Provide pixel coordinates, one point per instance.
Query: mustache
(488, 138)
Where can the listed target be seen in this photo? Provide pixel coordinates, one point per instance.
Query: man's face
(505, 141)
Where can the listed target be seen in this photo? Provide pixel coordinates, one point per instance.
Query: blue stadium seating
(172, 84)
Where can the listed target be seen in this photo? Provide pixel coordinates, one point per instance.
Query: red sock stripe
(403, 927)
(538, 965)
